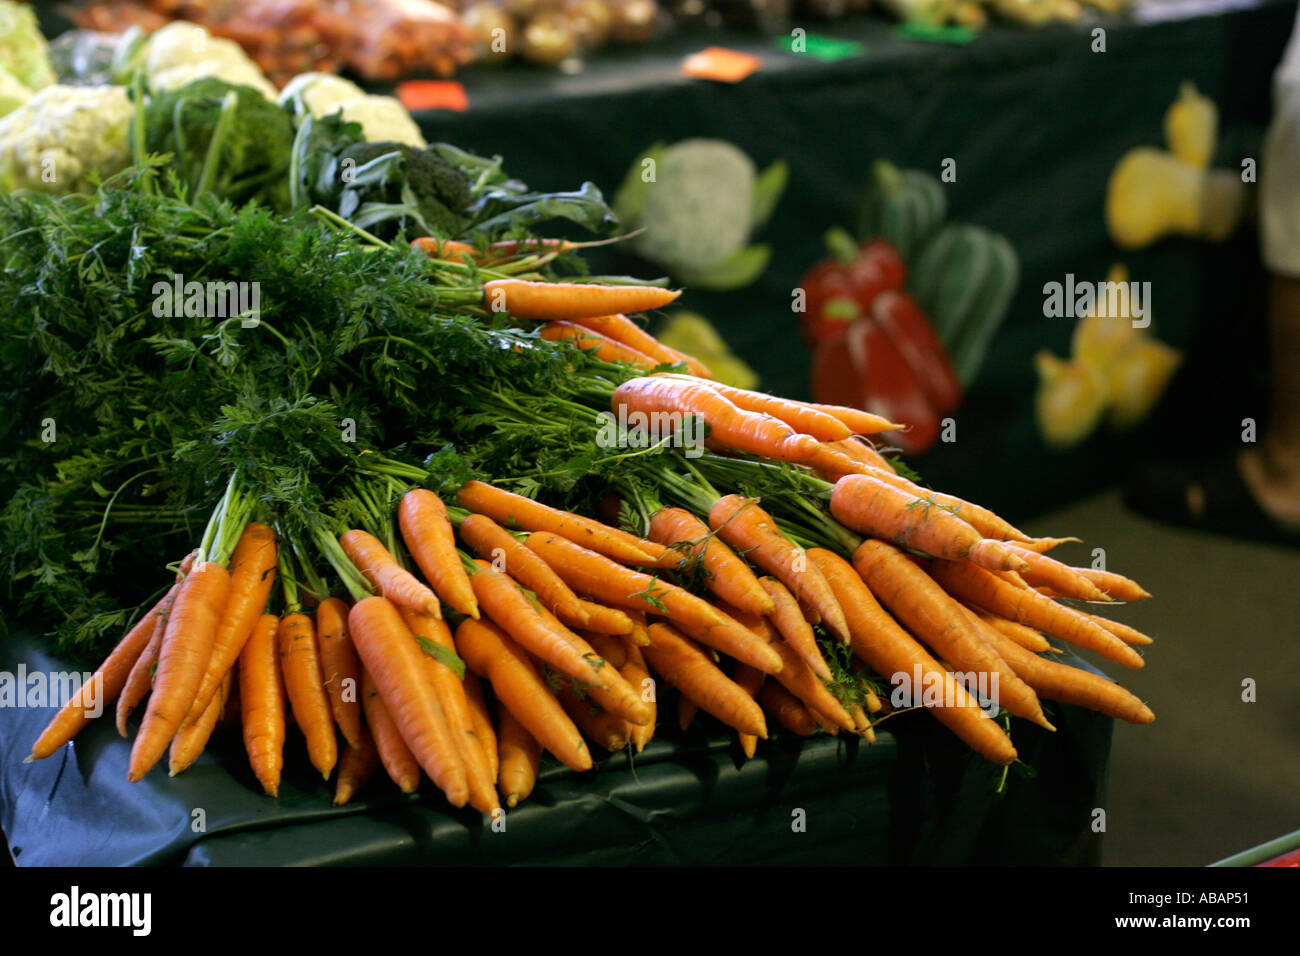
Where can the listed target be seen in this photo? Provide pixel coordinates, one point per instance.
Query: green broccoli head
(249, 138)
(416, 188)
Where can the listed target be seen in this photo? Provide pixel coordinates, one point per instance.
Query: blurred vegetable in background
(1116, 369)
(1153, 193)
(696, 204)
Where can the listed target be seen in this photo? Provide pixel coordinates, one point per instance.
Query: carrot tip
(30, 759)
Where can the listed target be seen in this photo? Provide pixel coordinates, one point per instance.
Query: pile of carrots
(470, 634)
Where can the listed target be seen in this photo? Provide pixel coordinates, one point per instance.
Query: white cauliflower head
(61, 135)
(320, 93)
(383, 119)
(182, 52)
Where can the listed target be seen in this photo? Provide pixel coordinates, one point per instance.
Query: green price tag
(824, 48)
(930, 34)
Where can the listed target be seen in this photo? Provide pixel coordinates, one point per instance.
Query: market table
(916, 796)
(1035, 121)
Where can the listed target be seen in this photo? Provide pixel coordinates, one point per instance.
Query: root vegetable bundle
(401, 525)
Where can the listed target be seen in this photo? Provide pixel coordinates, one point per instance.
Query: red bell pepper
(863, 368)
(839, 290)
(910, 330)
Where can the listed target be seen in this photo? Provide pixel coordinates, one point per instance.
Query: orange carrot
(570, 300)
(750, 680)
(1129, 635)
(390, 654)
(622, 329)
(873, 507)
(636, 673)
(728, 576)
(494, 543)
(939, 621)
(399, 763)
(789, 620)
(798, 678)
(519, 758)
(482, 719)
(614, 694)
(492, 655)
(431, 633)
(1115, 585)
(729, 426)
(988, 524)
(182, 658)
(516, 511)
(1026, 637)
(188, 744)
(252, 575)
(801, 417)
(862, 423)
(448, 250)
(786, 708)
(606, 349)
(592, 573)
(894, 654)
(606, 730)
(599, 618)
(679, 661)
(140, 678)
(356, 766)
(509, 607)
(977, 586)
(262, 704)
(340, 670)
(300, 664)
(747, 527)
(863, 452)
(760, 627)
(426, 529)
(608, 647)
(1070, 685)
(1060, 577)
(381, 569)
(104, 685)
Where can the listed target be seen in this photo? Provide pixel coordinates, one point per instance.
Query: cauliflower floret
(321, 93)
(181, 52)
(23, 50)
(63, 134)
(13, 93)
(383, 119)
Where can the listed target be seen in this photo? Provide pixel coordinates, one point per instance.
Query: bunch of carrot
(801, 608)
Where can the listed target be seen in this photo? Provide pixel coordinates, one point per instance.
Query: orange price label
(719, 63)
(433, 95)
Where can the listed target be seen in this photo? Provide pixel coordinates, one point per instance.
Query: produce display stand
(916, 796)
(1035, 121)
